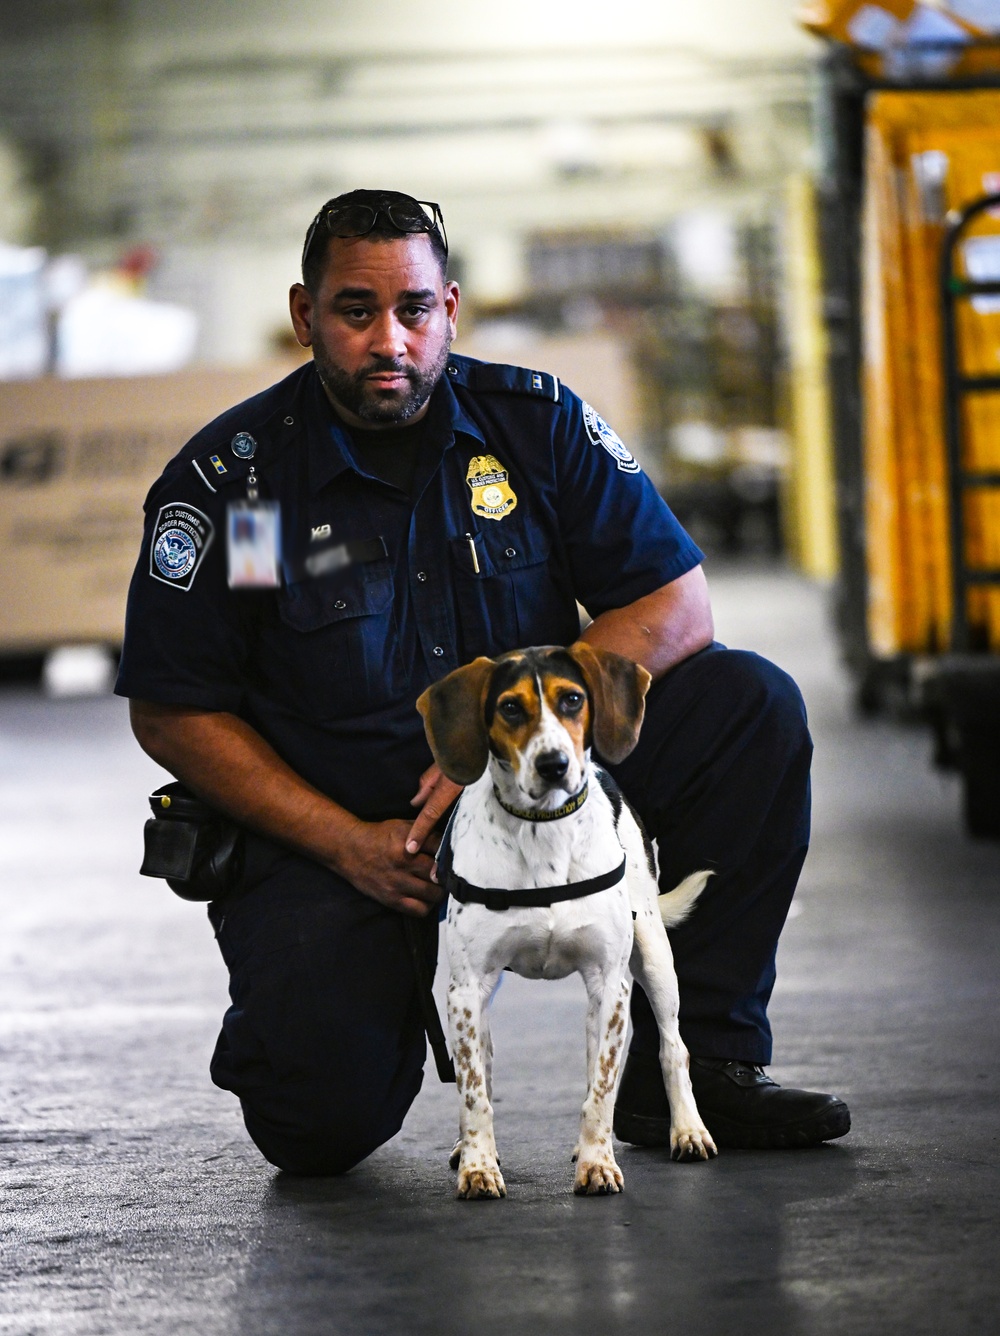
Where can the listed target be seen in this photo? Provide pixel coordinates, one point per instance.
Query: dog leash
(414, 932)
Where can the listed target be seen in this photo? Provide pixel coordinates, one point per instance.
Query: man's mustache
(387, 364)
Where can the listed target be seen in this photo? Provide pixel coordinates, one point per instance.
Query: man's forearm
(230, 766)
(660, 630)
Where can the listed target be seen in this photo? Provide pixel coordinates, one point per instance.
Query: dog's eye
(511, 710)
(571, 702)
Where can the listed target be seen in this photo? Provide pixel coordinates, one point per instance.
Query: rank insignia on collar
(491, 492)
(217, 464)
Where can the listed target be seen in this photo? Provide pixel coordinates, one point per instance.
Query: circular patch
(175, 554)
(243, 445)
(492, 496)
(601, 434)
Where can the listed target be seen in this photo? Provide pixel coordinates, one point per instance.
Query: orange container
(927, 153)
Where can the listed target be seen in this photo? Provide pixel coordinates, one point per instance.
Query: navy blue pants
(323, 1042)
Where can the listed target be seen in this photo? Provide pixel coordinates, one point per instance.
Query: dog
(549, 871)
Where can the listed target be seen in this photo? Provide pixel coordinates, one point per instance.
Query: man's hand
(434, 796)
(230, 765)
(377, 863)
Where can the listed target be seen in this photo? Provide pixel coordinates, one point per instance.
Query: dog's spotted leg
(608, 993)
(653, 966)
(478, 1169)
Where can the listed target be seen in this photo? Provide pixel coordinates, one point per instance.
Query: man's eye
(571, 702)
(415, 312)
(356, 313)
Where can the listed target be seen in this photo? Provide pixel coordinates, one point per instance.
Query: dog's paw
(598, 1178)
(691, 1143)
(480, 1183)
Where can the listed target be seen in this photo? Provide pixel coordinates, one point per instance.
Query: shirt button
(422, 576)
(452, 369)
(340, 603)
(439, 651)
(289, 422)
(510, 552)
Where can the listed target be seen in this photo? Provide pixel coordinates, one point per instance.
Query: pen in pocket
(472, 552)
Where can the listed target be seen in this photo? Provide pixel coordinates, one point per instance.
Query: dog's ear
(454, 723)
(617, 688)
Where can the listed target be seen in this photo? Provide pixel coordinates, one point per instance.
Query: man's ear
(300, 306)
(454, 723)
(617, 688)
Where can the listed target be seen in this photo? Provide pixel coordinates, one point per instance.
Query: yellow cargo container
(926, 154)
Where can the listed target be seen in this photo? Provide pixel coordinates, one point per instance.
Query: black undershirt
(392, 453)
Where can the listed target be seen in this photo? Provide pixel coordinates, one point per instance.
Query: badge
(491, 494)
(601, 434)
(181, 538)
(243, 445)
(253, 544)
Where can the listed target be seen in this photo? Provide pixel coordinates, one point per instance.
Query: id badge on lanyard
(253, 541)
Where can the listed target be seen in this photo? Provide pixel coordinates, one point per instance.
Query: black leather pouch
(197, 850)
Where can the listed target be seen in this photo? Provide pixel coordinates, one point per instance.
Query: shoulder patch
(181, 537)
(601, 434)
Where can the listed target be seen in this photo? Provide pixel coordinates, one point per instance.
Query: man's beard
(355, 393)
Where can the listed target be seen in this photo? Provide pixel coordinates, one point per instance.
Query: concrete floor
(131, 1200)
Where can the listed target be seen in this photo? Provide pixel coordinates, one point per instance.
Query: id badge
(253, 544)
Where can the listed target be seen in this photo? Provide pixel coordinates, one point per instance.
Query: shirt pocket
(514, 598)
(343, 655)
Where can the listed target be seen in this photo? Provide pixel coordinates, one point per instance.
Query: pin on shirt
(253, 540)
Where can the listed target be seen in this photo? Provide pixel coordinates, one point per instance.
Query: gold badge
(491, 494)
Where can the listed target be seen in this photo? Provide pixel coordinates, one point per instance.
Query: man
(431, 509)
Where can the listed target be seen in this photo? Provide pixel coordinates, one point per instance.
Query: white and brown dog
(550, 873)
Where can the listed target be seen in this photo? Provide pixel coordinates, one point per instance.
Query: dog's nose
(552, 765)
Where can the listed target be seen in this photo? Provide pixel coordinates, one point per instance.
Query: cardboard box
(77, 458)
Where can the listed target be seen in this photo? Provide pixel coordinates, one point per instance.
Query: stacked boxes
(926, 153)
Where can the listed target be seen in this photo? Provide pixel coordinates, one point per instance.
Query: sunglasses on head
(408, 217)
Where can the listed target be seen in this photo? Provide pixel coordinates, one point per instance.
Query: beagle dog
(548, 872)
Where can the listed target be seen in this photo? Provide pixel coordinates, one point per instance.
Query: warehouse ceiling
(181, 120)
(213, 126)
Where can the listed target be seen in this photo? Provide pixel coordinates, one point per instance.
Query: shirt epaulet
(231, 460)
(496, 377)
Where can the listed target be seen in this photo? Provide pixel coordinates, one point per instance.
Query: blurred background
(664, 205)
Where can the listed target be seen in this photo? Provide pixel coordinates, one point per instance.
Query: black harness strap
(498, 899)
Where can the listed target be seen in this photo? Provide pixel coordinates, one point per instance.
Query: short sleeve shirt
(524, 503)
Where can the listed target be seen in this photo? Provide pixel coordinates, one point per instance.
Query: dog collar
(535, 814)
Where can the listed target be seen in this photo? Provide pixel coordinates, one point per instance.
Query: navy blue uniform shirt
(524, 501)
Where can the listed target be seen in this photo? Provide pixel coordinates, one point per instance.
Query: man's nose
(387, 337)
(552, 765)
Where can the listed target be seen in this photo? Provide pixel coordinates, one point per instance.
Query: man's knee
(725, 689)
(321, 1132)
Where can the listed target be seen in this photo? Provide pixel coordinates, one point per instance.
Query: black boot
(741, 1106)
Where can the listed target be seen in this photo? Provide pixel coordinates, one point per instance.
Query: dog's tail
(678, 903)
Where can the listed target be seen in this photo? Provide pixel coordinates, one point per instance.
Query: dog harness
(537, 897)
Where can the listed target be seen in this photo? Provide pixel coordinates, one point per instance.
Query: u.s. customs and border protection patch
(181, 537)
(491, 492)
(601, 434)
